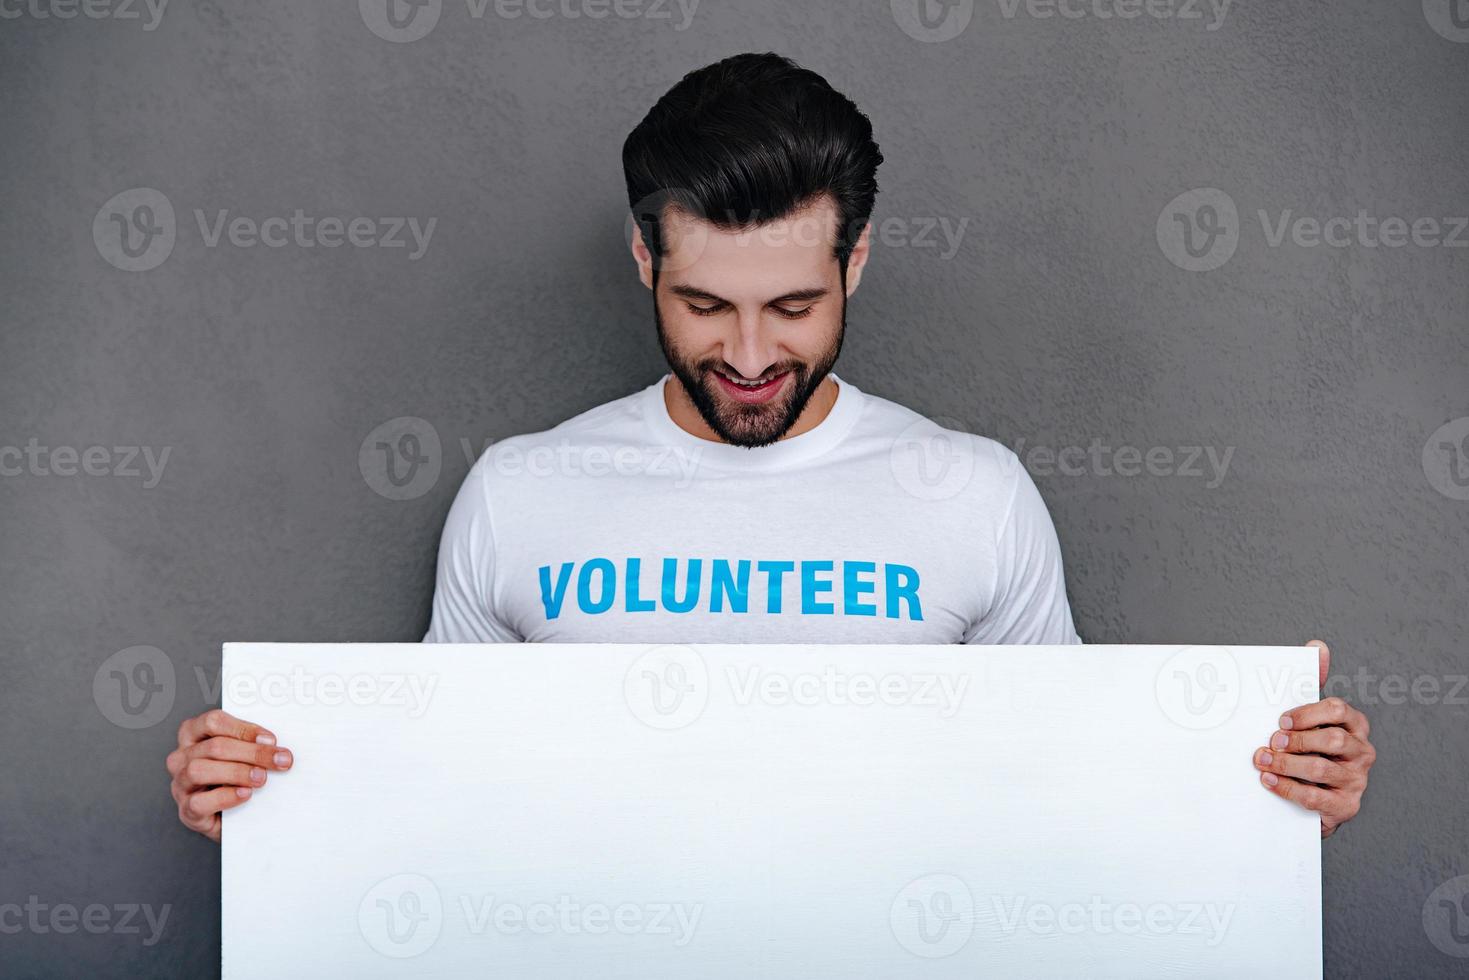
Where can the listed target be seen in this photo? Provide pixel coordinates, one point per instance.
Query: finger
(200, 809)
(230, 750)
(1308, 768)
(1332, 711)
(1323, 660)
(218, 722)
(234, 750)
(1337, 743)
(199, 773)
(1323, 801)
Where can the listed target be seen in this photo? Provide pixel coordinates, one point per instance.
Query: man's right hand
(219, 763)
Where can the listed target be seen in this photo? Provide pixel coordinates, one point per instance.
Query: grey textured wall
(1035, 280)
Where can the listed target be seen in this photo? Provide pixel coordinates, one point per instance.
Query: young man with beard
(752, 496)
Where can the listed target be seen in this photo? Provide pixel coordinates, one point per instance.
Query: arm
(463, 609)
(1030, 604)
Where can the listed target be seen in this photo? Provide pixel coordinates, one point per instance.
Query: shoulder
(615, 422)
(581, 444)
(937, 457)
(611, 424)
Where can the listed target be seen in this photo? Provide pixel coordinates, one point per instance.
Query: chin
(749, 427)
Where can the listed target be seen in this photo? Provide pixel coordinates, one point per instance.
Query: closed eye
(786, 312)
(791, 314)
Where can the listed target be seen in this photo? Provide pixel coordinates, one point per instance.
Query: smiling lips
(752, 394)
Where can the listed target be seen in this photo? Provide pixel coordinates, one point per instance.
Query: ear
(858, 261)
(642, 255)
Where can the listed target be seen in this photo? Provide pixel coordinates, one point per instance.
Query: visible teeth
(749, 384)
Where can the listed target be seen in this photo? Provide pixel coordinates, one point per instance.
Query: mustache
(712, 365)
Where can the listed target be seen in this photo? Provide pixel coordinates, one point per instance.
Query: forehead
(793, 252)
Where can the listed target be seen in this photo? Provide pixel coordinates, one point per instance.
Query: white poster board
(625, 811)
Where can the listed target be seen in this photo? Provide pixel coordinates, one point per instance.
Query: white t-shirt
(876, 526)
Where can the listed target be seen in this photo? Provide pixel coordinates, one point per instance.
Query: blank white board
(625, 811)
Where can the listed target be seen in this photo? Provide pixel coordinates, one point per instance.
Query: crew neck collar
(795, 449)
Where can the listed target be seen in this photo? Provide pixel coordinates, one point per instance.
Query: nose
(753, 347)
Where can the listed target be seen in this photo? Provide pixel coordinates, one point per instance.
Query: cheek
(675, 319)
(691, 334)
(810, 339)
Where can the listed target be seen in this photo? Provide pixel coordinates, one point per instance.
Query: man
(752, 495)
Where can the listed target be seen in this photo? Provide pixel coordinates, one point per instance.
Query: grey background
(1057, 321)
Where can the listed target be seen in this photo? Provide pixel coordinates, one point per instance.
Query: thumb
(1325, 659)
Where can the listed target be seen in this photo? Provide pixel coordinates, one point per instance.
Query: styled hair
(750, 140)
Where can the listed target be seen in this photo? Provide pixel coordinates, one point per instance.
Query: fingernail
(257, 775)
(264, 739)
(1269, 778)
(1266, 758)
(1285, 722)
(243, 792)
(1279, 740)
(283, 759)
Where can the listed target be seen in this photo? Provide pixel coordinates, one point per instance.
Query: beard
(750, 426)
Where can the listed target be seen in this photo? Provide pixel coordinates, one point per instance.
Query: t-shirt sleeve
(462, 610)
(1030, 604)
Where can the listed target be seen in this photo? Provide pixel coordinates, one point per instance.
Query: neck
(686, 416)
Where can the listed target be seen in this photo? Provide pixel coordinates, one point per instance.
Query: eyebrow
(795, 296)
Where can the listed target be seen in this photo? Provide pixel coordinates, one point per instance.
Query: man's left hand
(1320, 756)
